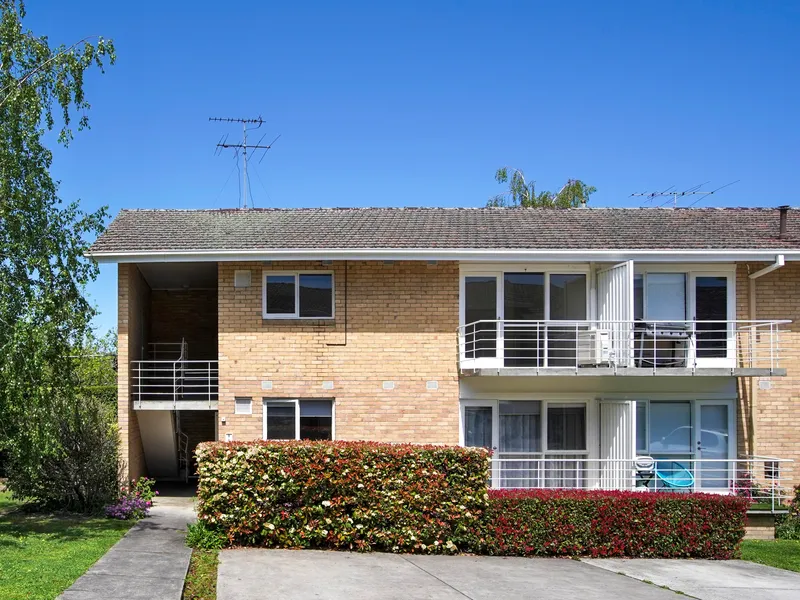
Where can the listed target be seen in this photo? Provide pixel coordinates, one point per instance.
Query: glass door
(481, 315)
(713, 444)
(714, 341)
(524, 340)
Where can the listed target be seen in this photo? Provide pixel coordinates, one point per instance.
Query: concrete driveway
(307, 574)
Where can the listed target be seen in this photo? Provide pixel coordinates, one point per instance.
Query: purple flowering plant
(134, 500)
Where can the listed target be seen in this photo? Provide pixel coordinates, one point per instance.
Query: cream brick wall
(133, 304)
(401, 327)
(777, 412)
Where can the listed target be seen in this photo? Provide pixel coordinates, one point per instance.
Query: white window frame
(499, 272)
(296, 403)
(296, 314)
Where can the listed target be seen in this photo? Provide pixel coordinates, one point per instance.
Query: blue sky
(417, 103)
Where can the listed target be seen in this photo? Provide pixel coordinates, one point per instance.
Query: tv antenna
(675, 194)
(243, 146)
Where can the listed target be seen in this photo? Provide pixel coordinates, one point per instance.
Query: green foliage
(43, 313)
(202, 537)
(95, 363)
(573, 194)
(342, 495)
(603, 524)
(79, 470)
(789, 527)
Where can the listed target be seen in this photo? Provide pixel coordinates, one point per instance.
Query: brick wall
(401, 327)
(776, 417)
(133, 314)
(191, 315)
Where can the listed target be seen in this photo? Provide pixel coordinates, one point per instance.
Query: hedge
(602, 524)
(343, 495)
(434, 499)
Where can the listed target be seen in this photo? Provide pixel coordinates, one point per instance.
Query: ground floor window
(295, 419)
(536, 443)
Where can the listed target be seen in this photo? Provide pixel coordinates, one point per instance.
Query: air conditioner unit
(594, 347)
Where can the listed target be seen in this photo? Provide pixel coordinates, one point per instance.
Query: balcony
(621, 348)
(169, 381)
(765, 481)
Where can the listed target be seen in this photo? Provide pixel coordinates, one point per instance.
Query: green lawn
(201, 580)
(42, 554)
(784, 554)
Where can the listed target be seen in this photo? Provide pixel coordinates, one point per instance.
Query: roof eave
(460, 254)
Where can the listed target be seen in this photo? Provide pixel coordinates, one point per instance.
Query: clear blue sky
(417, 103)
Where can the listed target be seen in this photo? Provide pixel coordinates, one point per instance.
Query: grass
(201, 581)
(41, 555)
(783, 554)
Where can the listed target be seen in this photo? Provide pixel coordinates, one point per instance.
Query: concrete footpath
(709, 579)
(150, 561)
(307, 574)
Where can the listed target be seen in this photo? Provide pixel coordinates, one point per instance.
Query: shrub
(71, 460)
(599, 524)
(789, 527)
(343, 495)
(134, 502)
(202, 537)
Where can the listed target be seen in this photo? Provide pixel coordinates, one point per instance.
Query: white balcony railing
(765, 481)
(174, 381)
(654, 345)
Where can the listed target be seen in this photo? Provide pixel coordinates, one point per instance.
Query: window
(298, 295)
(566, 427)
(243, 406)
(298, 419)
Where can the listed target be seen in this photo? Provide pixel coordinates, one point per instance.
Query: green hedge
(600, 523)
(434, 499)
(343, 495)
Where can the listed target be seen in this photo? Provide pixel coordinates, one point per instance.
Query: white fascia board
(487, 255)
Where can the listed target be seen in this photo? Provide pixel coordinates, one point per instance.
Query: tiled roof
(448, 228)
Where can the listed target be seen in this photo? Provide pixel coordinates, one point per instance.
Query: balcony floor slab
(179, 405)
(622, 372)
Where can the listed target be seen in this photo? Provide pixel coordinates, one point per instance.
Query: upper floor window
(291, 295)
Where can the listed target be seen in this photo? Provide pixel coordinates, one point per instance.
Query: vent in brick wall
(432, 385)
(266, 385)
(241, 279)
(327, 385)
(244, 406)
(388, 385)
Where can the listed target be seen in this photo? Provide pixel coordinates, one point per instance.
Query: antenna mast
(223, 144)
(693, 191)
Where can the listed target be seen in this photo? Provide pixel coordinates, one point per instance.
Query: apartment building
(591, 348)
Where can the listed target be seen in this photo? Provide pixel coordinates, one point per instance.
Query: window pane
(566, 427)
(520, 426)
(316, 408)
(641, 428)
(280, 421)
(568, 297)
(671, 427)
(523, 299)
(480, 304)
(478, 426)
(316, 428)
(666, 296)
(316, 295)
(638, 297)
(280, 294)
(711, 301)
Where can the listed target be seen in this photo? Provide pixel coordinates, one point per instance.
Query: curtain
(520, 439)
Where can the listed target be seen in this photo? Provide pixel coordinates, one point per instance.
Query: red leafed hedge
(599, 523)
(343, 495)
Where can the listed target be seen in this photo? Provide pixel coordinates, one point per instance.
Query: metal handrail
(174, 381)
(765, 481)
(691, 344)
